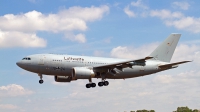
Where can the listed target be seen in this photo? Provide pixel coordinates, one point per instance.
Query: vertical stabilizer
(166, 49)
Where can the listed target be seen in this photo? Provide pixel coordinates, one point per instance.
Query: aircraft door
(41, 64)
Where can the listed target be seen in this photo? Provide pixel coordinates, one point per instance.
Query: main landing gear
(103, 83)
(100, 84)
(40, 81)
(90, 85)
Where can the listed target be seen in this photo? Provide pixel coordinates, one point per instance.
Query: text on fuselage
(76, 59)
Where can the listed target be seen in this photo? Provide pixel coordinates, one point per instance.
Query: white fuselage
(62, 65)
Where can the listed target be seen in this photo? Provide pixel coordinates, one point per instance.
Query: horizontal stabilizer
(172, 64)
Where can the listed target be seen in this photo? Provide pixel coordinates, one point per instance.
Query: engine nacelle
(63, 78)
(82, 73)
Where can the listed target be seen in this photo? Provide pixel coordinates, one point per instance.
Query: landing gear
(90, 85)
(103, 83)
(93, 85)
(40, 81)
(100, 84)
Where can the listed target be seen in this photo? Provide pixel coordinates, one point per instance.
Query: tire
(106, 83)
(100, 84)
(93, 85)
(88, 85)
(41, 81)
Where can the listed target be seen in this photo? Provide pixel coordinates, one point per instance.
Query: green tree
(195, 110)
(152, 111)
(145, 110)
(183, 109)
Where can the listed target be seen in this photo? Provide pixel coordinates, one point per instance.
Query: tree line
(179, 109)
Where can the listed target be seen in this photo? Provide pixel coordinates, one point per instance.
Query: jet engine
(63, 78)
(82, 73)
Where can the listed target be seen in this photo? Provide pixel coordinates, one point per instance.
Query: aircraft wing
(124, 64)
(172, 64)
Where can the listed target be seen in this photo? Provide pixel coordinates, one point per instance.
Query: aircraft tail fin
(166, 49)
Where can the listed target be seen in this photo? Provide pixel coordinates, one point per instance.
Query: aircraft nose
(19, 64)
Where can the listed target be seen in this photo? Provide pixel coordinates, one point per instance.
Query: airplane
(67, 68)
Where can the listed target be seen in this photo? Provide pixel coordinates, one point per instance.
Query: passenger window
(29, 58)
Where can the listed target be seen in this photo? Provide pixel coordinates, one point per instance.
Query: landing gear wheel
(41, 81)
(93, 85)
(100, 84)
(88, 85)
(105, 83)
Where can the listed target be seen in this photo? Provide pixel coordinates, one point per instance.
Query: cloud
(74, 18)
(186, 77)
(20, 39)
(165, 14)
(79, 37)
(139, 4)
(187, 23)
(132, 53)
(163, 78)
(8, 107)
(86, 14)
(26, 25)
(178, 20)
(129, 12)
(187, 52)
(175, 19)
(13, 90)
(181, 5)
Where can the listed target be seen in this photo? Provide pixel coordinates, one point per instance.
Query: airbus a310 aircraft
(67, 68)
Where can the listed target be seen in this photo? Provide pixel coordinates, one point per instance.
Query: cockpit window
(26, 58)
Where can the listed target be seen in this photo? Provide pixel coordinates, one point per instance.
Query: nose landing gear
(40, 81)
